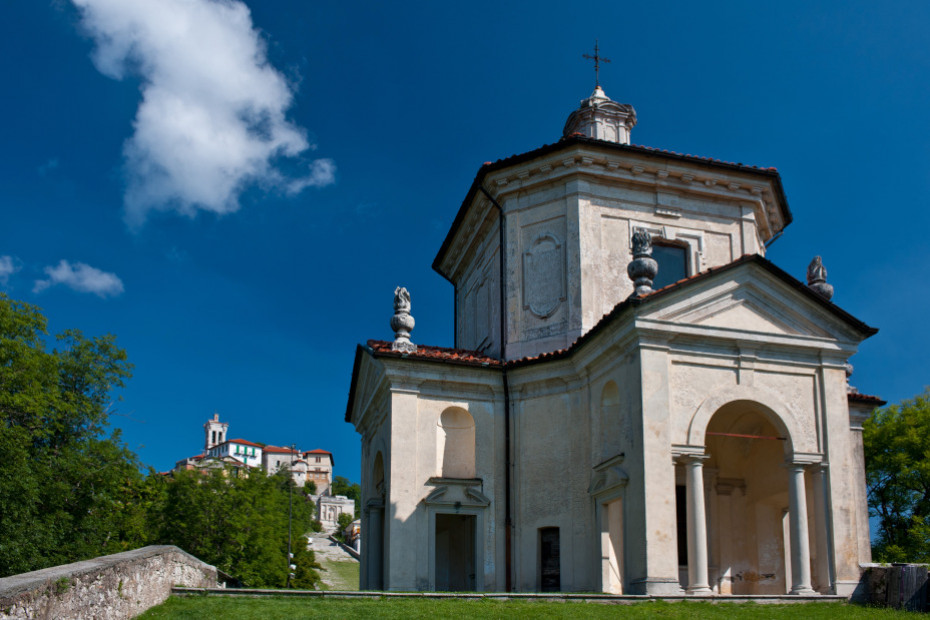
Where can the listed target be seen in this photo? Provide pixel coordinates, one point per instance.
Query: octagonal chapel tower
(569, 211)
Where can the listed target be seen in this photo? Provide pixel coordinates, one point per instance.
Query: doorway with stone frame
(455, 561)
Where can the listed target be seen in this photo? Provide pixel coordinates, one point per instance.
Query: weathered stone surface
(122, 585)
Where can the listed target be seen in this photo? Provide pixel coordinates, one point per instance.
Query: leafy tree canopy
(67, 489)
(352, 490)
(71, 490)
(897, 457)
(240, 524)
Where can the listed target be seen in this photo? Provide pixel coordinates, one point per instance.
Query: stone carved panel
(544, 276)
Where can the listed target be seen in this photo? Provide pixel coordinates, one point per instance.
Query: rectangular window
(673, 263)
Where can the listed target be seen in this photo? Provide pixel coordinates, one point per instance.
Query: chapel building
(637, 402)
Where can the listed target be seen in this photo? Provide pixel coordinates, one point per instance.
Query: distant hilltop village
(311, 466)
(241, 455)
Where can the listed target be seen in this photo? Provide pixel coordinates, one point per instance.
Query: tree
(897, 457)
(68, 490)
(352, 490)
(239, 524)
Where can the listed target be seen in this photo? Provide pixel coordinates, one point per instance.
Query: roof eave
(355, 368)
(570, 141)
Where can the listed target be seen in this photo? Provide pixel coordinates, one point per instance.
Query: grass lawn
(343, 575)
(242, 608)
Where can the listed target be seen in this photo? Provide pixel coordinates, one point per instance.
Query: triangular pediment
(749, 299)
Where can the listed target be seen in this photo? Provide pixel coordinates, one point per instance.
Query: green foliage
(63, 584)
(67, 490)
(897, 457)
(352, 490)
(239, 524)
(306, 576)
(316, 525)
(344, 520)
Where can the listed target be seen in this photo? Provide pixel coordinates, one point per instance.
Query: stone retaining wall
(901, 586)
(113, 586)
(355, 554)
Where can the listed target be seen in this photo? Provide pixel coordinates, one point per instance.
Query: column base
(803, 591)
(699, 591)
(656, 586)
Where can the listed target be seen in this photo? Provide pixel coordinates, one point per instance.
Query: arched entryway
(748, 494)
(743, 506)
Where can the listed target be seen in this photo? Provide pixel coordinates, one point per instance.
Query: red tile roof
(856, 397)
(382, 348)
(244, 443)
(280, 450)
(332, 459)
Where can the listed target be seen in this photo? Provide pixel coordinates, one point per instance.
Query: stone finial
(849, 371)
(817, 279)
(643, 268)
(402, 323)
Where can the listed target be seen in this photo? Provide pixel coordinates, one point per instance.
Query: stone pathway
(340, 569)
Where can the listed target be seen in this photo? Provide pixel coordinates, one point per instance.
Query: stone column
(800, 543)
(822, 556)
(697, 525)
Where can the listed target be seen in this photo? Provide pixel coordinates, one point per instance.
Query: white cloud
(8, 266)
(212, 117)
(82, 278)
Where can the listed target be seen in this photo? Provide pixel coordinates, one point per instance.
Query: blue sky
(236, 191)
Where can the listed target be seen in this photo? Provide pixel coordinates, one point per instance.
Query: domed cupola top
(599, 116)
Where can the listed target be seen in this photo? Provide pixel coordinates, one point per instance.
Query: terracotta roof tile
(318, 451)
(280, 450)
(244, 443)
(856, 397)
(382, 348)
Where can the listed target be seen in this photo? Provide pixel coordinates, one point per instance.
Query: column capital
(689, 459)
(683, 453)
(804, 459)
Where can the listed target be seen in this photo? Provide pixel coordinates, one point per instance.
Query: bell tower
(215, 432)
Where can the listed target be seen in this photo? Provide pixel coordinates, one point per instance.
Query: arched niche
(377, 475)
(455, 444)
(611, 430)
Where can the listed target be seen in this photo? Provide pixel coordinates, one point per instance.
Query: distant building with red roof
(305, 466)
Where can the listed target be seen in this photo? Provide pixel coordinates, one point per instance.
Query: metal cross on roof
(598, 59)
